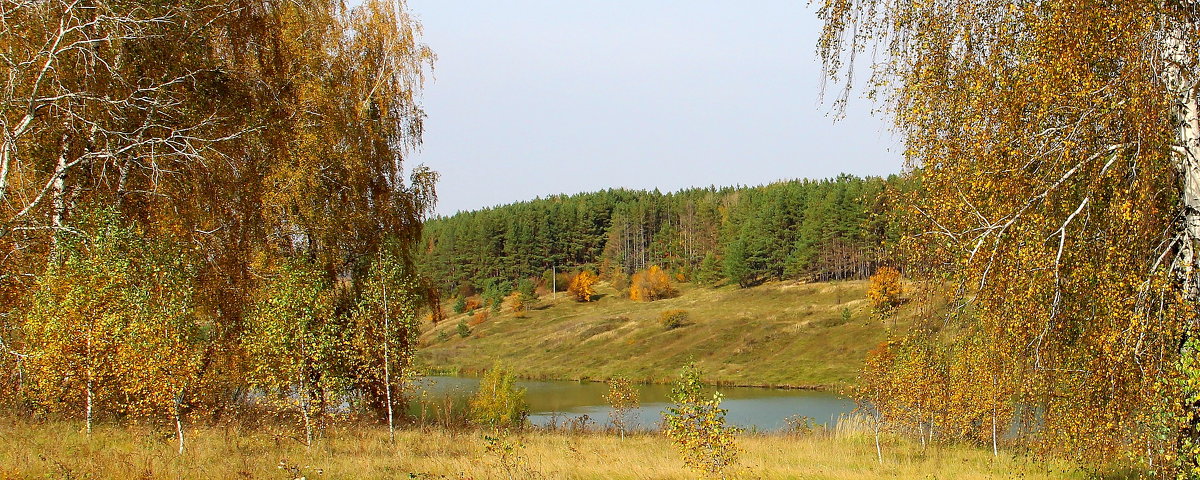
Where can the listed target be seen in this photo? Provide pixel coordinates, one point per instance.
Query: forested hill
(818, 229)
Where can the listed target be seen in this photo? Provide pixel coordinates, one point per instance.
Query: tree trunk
(179, 420)
(878, 449)
(88, 414)
(58, 191)
(1182, 84)
(387, 370)
(89, 372)
(179, 431)
(304, 412)
(995, 449)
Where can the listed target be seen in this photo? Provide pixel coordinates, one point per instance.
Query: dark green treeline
(817, 229)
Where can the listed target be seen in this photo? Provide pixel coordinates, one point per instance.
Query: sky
(531, 98)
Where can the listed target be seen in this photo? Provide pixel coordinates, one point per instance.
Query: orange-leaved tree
(651, 284)
(583, 286)
(885, 291)
(516, 303)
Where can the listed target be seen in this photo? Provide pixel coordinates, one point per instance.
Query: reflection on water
(761, 409)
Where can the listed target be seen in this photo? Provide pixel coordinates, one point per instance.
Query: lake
(556, 402)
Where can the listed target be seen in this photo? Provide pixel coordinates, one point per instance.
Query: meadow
(789, 334)
(60, 449)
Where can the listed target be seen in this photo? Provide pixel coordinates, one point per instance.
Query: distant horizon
(532, 98)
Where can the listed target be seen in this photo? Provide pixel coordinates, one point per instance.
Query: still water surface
(761, 409)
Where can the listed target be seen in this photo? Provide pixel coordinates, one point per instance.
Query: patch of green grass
(779, 334)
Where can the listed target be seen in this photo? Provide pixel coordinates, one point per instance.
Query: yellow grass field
(59, 449)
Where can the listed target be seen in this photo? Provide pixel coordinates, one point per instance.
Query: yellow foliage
(1048, 149)
(651, 284)
(885, 290)
(583, 286)
(515, 302)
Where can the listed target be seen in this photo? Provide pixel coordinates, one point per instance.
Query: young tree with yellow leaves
(696, 426)
(885, 291)
(1058, 148)
(383, 333)
(583, 286)
(291, 340)
(112, 327)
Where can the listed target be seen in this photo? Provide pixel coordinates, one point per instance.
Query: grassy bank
(779, 334)
(60, 450)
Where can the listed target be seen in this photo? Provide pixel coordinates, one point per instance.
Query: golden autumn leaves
(194, 199)
(1046, 139)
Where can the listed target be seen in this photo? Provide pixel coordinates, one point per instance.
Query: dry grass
(60, 450)
(778, 334)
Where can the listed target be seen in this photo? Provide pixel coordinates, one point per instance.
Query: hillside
(780, 333)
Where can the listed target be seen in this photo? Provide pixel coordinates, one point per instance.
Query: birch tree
(291, 341)
(111, 329)
(244, 129)
(385, 333)
(1057, 147)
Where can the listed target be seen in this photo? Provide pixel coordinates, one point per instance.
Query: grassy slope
(60, 450)
(776, 334)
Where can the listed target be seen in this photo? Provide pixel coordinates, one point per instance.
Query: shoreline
(473, 373)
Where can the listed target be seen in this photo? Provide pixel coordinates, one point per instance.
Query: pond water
(557, 402)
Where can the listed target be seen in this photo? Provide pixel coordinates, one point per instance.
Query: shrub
(672, 319)
(651, 284)
(515, 302)
(460, 305)
(479, 317)
(619, 280)
(885, 291)
(463, 330)
(696, 426)
(494, 291)
(556, 282)
(583, 286)
(499, 403)
(472, 304)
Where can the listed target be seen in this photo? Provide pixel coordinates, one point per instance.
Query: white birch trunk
(88, 414)
(1182, 86)
(995, 448)
(878, 449)
(179, 420)
(1180, 79)
(387, 370)
(58, 191)
(90, 359)
(304, 412)
(995, 393)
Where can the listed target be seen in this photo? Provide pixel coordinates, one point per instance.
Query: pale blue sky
(538, 97)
